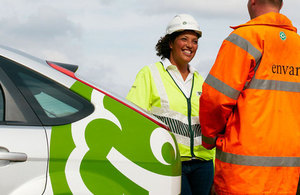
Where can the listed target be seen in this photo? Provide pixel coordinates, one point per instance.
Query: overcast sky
(111, 40)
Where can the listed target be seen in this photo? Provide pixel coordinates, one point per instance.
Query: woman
(170, 90)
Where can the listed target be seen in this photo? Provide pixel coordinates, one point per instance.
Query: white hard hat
(183, 22)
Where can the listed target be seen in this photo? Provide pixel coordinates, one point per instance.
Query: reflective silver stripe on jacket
(274, 85)
(222, 87)
(247, 46)
(263, 161)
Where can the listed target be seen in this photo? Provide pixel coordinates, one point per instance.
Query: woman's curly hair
(163, 45)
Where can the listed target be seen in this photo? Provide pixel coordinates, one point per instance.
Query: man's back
(257, 97)
(269, 105)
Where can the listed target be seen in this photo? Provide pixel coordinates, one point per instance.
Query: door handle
(13, 156)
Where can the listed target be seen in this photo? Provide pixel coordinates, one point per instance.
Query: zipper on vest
(189, 106)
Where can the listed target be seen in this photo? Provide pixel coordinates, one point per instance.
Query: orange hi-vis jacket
(250, 108)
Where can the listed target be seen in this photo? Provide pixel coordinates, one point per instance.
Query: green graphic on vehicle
(113, 151)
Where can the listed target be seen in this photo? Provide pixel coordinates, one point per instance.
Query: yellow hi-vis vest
(155, 90)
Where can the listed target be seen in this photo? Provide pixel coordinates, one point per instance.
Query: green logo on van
(115, 151)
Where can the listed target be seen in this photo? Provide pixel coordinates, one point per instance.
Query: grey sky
(112, 40)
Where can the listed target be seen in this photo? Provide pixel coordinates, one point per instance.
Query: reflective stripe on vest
(178, 122)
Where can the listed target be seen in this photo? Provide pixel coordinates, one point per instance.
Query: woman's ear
(171, 44)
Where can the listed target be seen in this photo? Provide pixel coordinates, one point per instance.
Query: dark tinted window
(53, 103)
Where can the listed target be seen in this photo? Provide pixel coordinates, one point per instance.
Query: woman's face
(183, 48)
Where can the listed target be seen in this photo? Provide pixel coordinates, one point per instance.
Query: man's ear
(252, 2)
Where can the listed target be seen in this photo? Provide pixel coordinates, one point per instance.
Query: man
(249, 108)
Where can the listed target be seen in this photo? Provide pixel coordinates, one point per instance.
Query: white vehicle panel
(28, 177)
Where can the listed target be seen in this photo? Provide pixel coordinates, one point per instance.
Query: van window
(53, 103)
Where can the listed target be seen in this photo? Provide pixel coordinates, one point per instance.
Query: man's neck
(264, 10)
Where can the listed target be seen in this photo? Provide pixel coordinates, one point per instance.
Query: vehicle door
(23, 143)
(54, 106)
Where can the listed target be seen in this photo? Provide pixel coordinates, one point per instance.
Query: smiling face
(183, 48)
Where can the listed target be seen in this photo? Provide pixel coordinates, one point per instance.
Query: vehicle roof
(54, 73)
(35, 64)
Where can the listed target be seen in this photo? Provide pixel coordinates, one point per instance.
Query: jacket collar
(167, 65)
(270, 19)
